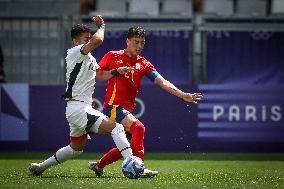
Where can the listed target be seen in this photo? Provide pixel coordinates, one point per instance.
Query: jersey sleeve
(76, 54)
(104, 62)
(151, 71)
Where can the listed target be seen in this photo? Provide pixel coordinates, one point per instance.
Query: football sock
(137, 130)
(120, 140)
(60, 156)
(137, 144)
(111, 156)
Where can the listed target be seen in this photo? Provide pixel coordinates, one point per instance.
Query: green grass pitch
(176, 170)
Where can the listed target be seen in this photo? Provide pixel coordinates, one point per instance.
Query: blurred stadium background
(231, 50)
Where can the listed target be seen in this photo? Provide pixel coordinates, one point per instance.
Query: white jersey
(80, 75)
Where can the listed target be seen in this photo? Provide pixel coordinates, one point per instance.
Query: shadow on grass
(107, 177)
(79, 177)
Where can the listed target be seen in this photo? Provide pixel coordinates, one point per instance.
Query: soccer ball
(132, 167)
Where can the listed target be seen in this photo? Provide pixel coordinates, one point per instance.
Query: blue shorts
(115, 113)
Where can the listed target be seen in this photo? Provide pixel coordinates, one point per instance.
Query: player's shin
(111, 156)
(59, 157)
(137, 130)
(121, 141)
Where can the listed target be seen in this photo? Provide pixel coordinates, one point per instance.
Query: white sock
(60, 156)
(120, 140)
(126, 152)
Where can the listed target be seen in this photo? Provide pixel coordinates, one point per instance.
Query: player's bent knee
(77, 149)
(76, 153)
(138, 126)
(106, 126)
(78, 143)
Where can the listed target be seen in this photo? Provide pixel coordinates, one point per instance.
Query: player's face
(84, 38)
(135, 45)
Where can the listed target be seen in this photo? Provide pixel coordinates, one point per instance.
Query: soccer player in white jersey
(83, 119)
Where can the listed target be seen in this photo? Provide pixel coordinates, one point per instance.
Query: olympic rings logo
(261, 35)
(142, 108)
(139, 102)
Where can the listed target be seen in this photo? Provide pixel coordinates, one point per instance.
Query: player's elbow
(165, 83)
(161, 81)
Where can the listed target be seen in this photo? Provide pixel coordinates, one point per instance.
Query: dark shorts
(115, 113)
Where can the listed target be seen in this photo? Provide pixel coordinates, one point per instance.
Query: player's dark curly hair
(78, 29)
(136, 31)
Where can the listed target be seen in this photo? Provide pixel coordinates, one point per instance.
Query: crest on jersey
(137, 66)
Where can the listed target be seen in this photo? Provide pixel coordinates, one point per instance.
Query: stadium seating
(34, 33)
(251, 7)
(178, 8)
(33, 48)
(149, 8)
(37, 8)
(277, 7)
(110, 8)
(218, 7)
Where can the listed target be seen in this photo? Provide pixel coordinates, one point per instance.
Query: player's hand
(124, 69)
(192, 97)
(98, 20)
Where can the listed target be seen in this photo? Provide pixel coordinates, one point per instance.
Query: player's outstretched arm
(169, 87)
(103, 75)
(98, 38)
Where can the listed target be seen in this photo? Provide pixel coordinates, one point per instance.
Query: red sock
(137, 130)
(111, 156)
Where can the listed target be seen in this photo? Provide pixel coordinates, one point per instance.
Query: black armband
(114, 72)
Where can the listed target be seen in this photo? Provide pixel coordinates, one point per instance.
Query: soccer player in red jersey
(82, 118)
(122, 89)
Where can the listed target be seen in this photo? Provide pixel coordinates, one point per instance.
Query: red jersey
(122, 89)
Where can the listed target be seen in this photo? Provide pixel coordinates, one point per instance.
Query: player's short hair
(78, 29)
(136, 31)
